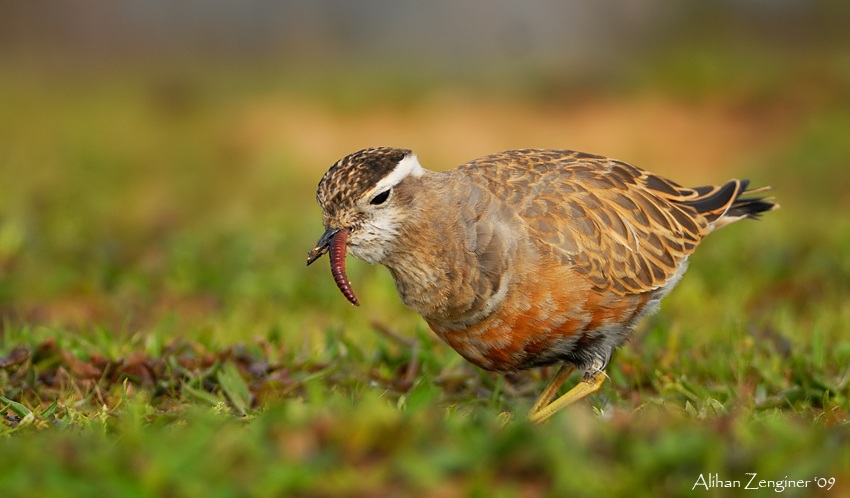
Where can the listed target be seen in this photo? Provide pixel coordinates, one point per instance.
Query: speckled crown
(356, 173)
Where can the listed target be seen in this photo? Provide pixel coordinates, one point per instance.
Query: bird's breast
(546, 318)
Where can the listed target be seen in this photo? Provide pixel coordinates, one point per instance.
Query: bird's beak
(333, 241)
(322, 245)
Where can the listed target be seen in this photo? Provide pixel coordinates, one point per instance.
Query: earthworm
(337, 256)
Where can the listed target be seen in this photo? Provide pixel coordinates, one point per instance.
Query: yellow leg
(552, 387)
(542, 409)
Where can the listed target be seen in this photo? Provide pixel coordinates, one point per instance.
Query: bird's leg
(590, 383)
(552, 387)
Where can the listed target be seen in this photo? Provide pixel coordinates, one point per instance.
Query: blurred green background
(159, 164)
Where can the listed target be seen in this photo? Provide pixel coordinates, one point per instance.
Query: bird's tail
(725, 204)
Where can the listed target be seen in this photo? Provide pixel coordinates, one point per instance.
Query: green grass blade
(19, 409)
(50, 410)
(235, 388)
(201, 395)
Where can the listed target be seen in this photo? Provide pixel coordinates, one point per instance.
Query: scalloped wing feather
(624, 229)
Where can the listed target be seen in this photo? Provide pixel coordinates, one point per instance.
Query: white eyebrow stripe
(406, 167)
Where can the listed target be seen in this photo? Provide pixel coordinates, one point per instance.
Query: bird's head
(364, 203)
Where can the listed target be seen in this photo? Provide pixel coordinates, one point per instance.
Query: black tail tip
(752, 207)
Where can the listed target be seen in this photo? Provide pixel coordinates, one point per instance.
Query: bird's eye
(380, 198)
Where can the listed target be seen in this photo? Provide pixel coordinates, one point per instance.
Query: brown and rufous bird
(524, 258)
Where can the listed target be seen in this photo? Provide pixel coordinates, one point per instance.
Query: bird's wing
(624, 229)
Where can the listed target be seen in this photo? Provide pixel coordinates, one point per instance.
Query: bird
(524, 258)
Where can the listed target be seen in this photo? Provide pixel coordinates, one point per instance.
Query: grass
(162, 337)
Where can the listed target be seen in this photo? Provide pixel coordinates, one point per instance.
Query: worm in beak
(333, 243)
